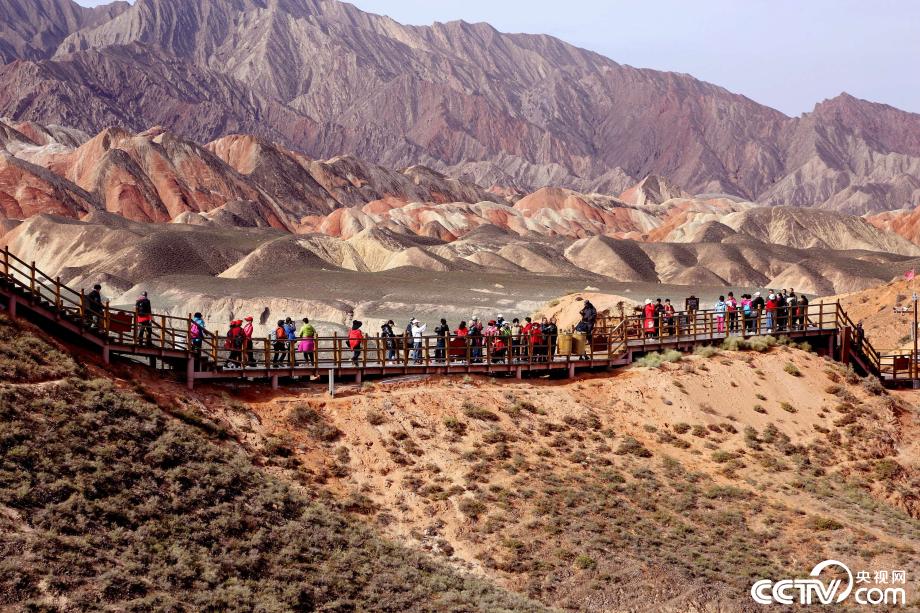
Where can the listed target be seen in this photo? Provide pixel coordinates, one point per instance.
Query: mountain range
(507, 111)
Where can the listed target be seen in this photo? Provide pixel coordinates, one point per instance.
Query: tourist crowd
(476, 341)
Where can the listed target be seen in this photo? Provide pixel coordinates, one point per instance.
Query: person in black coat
(443, 334)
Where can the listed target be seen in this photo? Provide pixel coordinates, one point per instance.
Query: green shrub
(631, 446)
(755, 343)
(721, 457)
(584, 562)
(792, 369)
(788, 407)
(475, 412)
(706, 351)
(823, 523)
(887, 469)
(655, 359)
(681, 428)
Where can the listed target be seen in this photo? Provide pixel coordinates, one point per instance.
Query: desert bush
(655, 359)
(787, 407)
(681, 428)
(376, 418)
(721, 457)
(819, 523)
(758, 408)
(755, 343)
(792, 369)
(706, 351)
(873, 386)
(887, 469)
(583, 562)
(472, 507)
(476, 412)
(455, 425)
(304, 416)
(631, 446)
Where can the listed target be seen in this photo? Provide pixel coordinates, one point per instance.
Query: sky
(788, 54)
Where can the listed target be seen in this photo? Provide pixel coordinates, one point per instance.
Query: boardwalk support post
(274, 382)
(332, 382)
(11, 307)
(517, 372)
(106, 358)
(190, 373)
(358, 377)
(571, 370)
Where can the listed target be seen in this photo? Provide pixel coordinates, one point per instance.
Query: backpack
(279, 334)
(195, 331)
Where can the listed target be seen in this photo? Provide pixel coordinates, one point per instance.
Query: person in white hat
(418, 330)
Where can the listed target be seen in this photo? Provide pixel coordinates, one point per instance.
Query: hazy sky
(788, 54)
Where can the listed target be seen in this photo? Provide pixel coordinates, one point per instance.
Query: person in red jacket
(770, 308)
(355, 336)
(536, 341)
(649, 324)
(235, 341)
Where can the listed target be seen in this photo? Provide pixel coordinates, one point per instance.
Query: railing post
(6, 261)
(188, 334)
(32, 278)
(58, 305)
(162, 331)
(105, 319)
(336, 350)
(821, 315)
(215, 341)
(267, 346)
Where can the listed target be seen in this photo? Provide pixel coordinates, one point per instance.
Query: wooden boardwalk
(65, 312)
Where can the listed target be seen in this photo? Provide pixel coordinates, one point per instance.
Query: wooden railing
(610, 339)
(118, 326)
(450, 352)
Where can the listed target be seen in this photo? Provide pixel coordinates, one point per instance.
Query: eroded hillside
(677, 484)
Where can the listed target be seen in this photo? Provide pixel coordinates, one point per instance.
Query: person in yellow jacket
(307, 344)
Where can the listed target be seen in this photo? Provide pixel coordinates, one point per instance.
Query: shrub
(631, 446)
(474, 412)
(721, 457)
(755, 343)
(455, 425)
(758, 408)
(706, 351)
(376, 418)
(788, 407)
(792, 369)
(472, 507)
(655, 359)
(304, 416)
(873, 386)
(823, 523)
(584, 562)
(887, 469)
(681, 428)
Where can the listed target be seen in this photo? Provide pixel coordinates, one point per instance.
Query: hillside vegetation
(109, 502)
